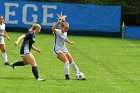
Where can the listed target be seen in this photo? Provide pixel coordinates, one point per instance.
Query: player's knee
(3, 50)
(65, 59)
(70, 62)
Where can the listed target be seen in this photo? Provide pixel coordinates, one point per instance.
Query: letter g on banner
(25, 14)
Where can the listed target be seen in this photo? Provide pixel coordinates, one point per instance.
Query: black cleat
(84, 79)
(67, 77)
(12, 66)
(6, 63)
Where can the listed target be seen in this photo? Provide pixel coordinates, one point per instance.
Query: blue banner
(132, 32)
(81, 17)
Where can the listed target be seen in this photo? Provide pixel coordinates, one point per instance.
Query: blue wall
(80, 16)
(132, 32)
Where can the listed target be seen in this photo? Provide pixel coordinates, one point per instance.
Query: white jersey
(2, 29)
(59, 41)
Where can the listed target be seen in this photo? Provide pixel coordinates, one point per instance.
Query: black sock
(35, 72)
(19, 63)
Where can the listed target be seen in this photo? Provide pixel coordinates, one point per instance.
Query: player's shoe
(67, 77)
(6, 63)
(41, 79)
(11, 65)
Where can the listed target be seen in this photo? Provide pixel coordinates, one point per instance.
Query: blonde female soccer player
(60, 49)
(27, 45)
(3, 34)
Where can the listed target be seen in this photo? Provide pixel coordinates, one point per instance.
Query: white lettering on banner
(46, 15)
(8, 13)
(24, 14)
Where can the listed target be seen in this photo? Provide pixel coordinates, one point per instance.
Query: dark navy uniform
(27, 43)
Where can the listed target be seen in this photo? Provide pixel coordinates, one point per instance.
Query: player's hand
(8, 38)
(16, 43)
(72, 43)
(63, 18)
(39, 51)
(60, 20)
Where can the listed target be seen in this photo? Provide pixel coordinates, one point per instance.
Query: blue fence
(132, 32)
(80, 16)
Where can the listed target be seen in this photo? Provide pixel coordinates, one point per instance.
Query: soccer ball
(80, 76)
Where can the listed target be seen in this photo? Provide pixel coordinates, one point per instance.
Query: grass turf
(111, 65)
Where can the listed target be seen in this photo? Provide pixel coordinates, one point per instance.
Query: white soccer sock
(66, 67)
(75, 68)
(4, 55)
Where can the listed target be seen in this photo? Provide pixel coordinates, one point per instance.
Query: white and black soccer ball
(80, 76)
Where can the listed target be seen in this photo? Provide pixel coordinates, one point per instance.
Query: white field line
(133, 45)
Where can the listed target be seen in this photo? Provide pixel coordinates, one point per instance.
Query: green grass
(111, 66)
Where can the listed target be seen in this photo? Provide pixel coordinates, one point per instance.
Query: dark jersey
(27, 43)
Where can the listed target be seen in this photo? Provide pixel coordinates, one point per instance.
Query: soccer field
(111, 65)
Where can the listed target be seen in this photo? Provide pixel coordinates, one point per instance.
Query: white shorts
(56, 52)
(2, 41)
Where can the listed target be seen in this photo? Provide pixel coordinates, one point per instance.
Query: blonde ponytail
(34, 26)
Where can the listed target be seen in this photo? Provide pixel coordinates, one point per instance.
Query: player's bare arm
(36, 49)
(56, 24)
(6, 35)
(19, 39)
(71, 43)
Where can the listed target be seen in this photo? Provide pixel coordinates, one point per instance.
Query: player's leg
(72, 63)
(74, 66)
(31, 60)
(19, 63)
(23, 62)
(4, 54)
(61, 56)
